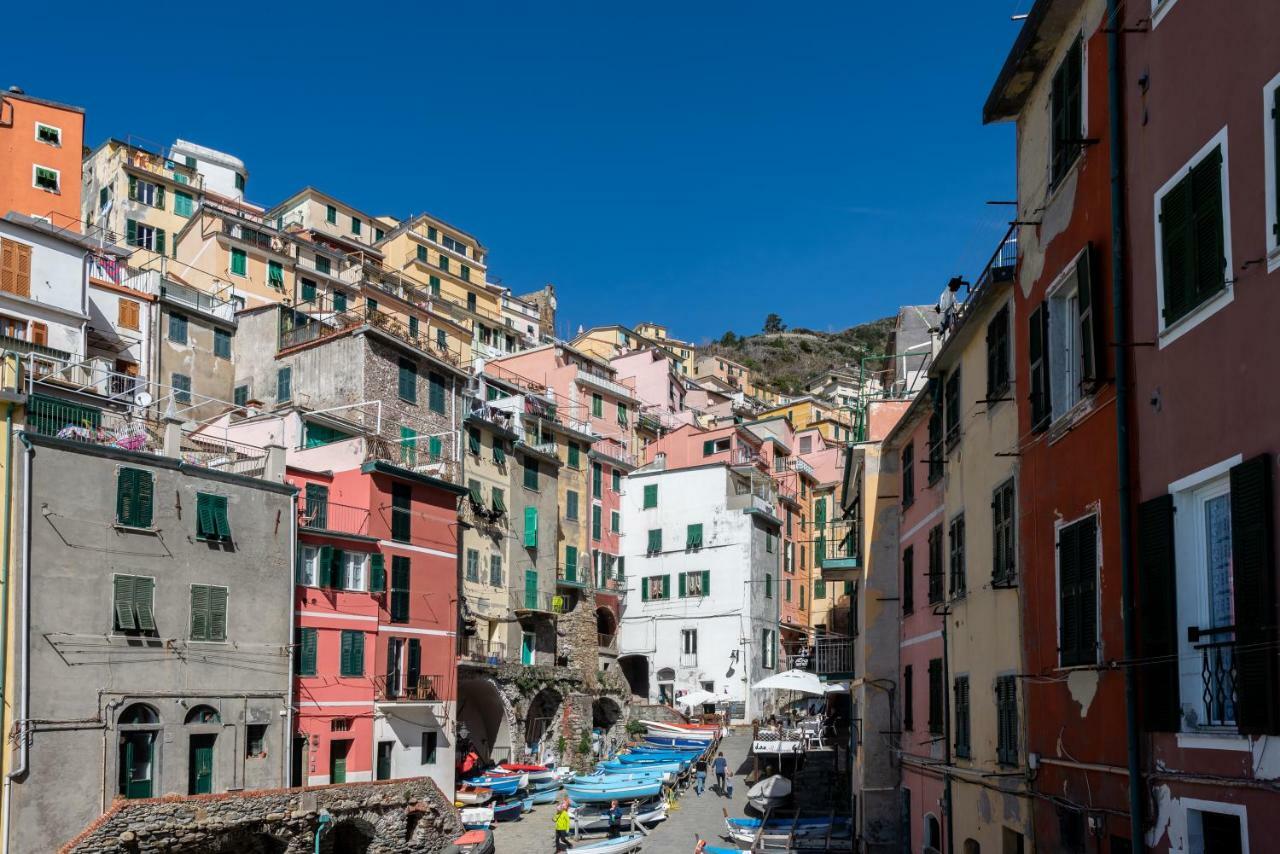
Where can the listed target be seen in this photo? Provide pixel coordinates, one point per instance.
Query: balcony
(328, 517)
(299, 327)
(617, 389)
(197, 300)
(836, 548)
(480, 651)
(529, 602)
(1218, 675)
(482, 411)
(688, 659)
(258, 237)
(607, 643)
(93, 426)
(614, 450)
(742, 456)
(414, 455)
(569, 576)
(422, 690)
(802, 467)
(833, 657)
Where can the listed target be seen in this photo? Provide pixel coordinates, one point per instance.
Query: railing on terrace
(499, 372)
(574, 575)
(221, 454)
(688, 659)
(614, 450)
(621, 389)
(94, 426)
(801, 466)
(607, 642)
(158, 159)
(197, 299)
(526, 600)
(741, 456)
(256, 237)
(836, 542)
(327, 515)
(481, 651)
(422, 689)
(416, 454)
(539, 407)
(481, 409)
(1003, 263)
(300, 327)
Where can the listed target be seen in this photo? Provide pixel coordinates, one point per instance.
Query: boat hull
(625, 791)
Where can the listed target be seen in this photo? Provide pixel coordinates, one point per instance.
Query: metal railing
(741, 456)
(423, 689)
(688, 659)
(832, 655)
(1218, 676)
(605, 384)
(481, 651)
(614, 450)
(253, 236)
(415, 454)
(551, 603)
(607, 642)
(306, 327)
(328, 516)
(572, 575)
(221, 454)
(93, 426)
(836, 541)
(196, 299)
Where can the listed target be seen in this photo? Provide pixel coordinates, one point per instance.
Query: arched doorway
(138, 725)
(243, 842)
(666, 686)
(483, 714)
(635, 668)
(606, 626)
(606, 719)
(200, 748)
(348, 837)
(537, 722)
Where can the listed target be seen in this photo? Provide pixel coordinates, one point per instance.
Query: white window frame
(310, 566)
(57, 173)
(1269, 145)
(1190, 805)
(1097, 587)
(1189, 494)
(689, 642)
(149, 245)
(655, 588)
(1170, 333)
(1160, 8)
(36, 135)
(1064, 344)
(354, 571)
(691, 578)
(138, 194)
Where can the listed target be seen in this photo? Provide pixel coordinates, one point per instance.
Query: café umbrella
(791, 680)
(700, 698)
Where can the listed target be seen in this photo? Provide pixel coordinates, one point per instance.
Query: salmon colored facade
(40, 147)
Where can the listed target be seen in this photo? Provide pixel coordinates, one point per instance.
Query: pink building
(655, 376)
(922, 696)
(593, 399)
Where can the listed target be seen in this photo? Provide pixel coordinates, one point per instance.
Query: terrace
(836, 548)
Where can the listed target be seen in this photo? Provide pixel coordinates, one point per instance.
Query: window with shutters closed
(908, 580)
(128, 314)
(650, 496)
(1271, 138)
(597, 516)
(1004, 566)
(908, 698)
(1007, 720)
(401, 512)
(1066, 113)
(351, 653)
(132, 603)
(962, 716)
(15, 267)
(935, 565)
(1193, 260)
(998, 356)
(435, 393)
(1077, 592)
(935, 696)
(908, 475)
(208, 613)
(399, 605)
(304, 651)
(655, 542)
(959, 583)
(135, 493)
(407, 385)
(212, 522)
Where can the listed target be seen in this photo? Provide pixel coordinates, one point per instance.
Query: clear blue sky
(701, 163)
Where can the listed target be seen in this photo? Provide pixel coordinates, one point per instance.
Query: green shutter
(595, 522)
(768, 586)
(574, 460)
(706, 582)
(666, 587)
(571, 563)
(597, 480)
(143, 603)
(1254, 592)
(531, 527)
(408, 381)
(644, 590)
(352, 653)
(159, 245)
(683, 585)
(435, 398)
(399, 589)
(217, 613)
(307, 649)
(199, 612)
(708, 447)
(655, 541)
(131, 226)
(335, 569)
(204, 515)
(221, 524)
(434, 448)
(238, 262)
(135, 490)
(122, 603)
(473, 440)
(499, 505)
(694, 538)
(133, 189)
(651, 496)
(1158, 628)
(377, 574)
(474, 492)
(1207, 227)
(324, 567)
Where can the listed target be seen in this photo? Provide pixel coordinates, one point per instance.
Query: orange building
(40, 146)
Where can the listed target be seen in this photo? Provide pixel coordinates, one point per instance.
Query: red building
(377, 599)
(1205, 418)
(1054, 85)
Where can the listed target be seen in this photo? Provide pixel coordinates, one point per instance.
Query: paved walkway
(691, 817)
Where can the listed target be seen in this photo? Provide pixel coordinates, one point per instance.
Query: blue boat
(675, 741)
(617, 776)
(623, 790)
(545, 796)
(510, 811)
(498, 785)
(649, 759)
(671, 767)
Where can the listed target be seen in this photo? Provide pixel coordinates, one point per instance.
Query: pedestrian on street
(562, 827)
(700, 775)
(615, 820)
(721, 766)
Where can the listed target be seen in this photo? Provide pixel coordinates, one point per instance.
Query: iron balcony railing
(741, 456)
(571, 576)
(481, 651)
(220, 454)
(325, 515)
(260, 239)
(836, 543)
(526, 600)
(605, 384)
(1003, 262)
(415, 454)
(614, 450)
(422, 689)
(688, 659)
(1217, 675)
(825, 655)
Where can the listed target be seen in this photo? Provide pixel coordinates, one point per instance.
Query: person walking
(700, 775)
(614, 815)
(721, 766)
(562, 827)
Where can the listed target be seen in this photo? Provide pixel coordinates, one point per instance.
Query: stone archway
(483, 709)
(539, 720)
(606, 624)
(348, 836)
(636, 670)
(245, 842)
(607, 719)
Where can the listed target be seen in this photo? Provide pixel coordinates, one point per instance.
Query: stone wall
(393, 817)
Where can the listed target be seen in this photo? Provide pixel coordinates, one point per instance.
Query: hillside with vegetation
(783, 359)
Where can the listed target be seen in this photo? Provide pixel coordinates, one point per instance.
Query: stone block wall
(394, 817)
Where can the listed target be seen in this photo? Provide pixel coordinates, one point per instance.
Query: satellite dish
(142, 398)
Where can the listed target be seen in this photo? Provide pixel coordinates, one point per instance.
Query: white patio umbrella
(700, 698)
(791, 680)
(835, 688)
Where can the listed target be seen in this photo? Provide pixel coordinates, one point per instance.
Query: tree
(773, 323)
(729, 339)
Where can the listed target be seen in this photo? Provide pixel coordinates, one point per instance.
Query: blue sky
(701, 163)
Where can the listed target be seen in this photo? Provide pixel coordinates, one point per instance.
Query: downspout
(290, 697)
(1120, 348)
(946, 734)
(4, 585)
(25, 645)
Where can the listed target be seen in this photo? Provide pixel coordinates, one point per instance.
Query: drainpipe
(4, 579)
(946, 732)
(25, 644)
(1119, 336)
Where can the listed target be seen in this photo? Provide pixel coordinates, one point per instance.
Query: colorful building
(1068, 565)
(40, 146)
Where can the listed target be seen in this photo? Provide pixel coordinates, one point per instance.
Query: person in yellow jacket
(562, 827)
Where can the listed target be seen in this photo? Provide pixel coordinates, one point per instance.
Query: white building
(222, 173)
(701, 608)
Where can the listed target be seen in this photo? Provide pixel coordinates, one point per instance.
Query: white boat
(769, 793)
(477, 818)
(472, 795)
(591, 817)
(625, 842)
(693, 732)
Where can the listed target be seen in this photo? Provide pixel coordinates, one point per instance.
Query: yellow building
(809, 412)
(138, 196)
(685, 353)
(605, 342)
(985, 630)
(234, 256)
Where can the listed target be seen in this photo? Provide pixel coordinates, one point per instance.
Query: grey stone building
(153, 594)
(194, 346)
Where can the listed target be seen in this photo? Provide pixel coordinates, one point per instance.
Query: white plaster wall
(731, 618)
(404, 725)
